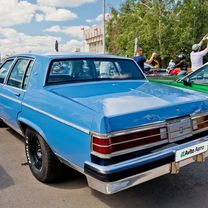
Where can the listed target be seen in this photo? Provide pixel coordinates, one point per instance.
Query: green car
(197, 80)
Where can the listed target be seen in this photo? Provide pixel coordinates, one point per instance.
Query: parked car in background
(164, 75)
(151, 70)
(99, 115)
(148, 67)
(197, 80)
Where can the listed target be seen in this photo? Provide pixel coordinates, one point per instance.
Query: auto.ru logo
(187, 152)
(182, 154)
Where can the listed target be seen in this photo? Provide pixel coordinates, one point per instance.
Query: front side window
(80, 70)
(17, 75)
(199, 77)
(4, 69)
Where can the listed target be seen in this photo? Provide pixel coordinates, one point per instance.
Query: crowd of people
(196, 57)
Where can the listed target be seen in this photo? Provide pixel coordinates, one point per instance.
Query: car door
(4, 70)
(199, 77)
(198, 80)
(14, 90)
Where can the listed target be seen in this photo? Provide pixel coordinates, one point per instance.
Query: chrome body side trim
(70, 164)
(57, 118)
(12, 127)
(9, 98)
(130, 131)
(15, 88)
(127, 141)
(116, 186)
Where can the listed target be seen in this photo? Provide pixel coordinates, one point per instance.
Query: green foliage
(167, 27)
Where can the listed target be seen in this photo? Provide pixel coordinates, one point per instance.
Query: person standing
(196, 55)
(171, 65)
(182, 63)
(140, 59)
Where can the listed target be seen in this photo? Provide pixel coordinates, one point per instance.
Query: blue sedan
(101, 116)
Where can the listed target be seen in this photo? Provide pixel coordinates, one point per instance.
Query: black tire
(43, 163)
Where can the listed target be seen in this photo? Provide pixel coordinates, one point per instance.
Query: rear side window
(17, 75)
(27, 75)
(4, 69)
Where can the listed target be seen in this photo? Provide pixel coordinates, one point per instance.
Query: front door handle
(17, 94)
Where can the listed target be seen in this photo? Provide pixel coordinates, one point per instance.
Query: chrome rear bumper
(108, 186)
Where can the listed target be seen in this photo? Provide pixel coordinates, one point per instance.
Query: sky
(34, 25)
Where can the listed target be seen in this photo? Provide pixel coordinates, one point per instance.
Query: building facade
(94, 38)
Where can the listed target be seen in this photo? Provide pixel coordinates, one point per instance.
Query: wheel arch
(24, 124)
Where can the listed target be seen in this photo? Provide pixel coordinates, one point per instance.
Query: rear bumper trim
(114, 178)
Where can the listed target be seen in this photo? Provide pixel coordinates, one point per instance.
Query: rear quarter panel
(63, 123)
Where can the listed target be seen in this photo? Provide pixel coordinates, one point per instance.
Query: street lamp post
(83, 39)
(104, 34)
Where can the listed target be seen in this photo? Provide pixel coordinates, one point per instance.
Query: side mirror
(187, 82)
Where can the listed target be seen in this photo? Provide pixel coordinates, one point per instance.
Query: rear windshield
(82, 70)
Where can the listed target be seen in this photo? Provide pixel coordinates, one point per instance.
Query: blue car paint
(11, 109)
(128, 104)
(93, 107)
(69, 143)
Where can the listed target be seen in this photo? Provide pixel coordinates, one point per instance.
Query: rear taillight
(200, 123)
(108, 147)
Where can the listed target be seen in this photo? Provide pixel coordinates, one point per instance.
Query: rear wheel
(43, 163)
(2, 124)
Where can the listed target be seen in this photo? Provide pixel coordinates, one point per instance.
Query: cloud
(53, 14)
(14, 12)
(99, 18)
(73, 31)
(13, 42)
(64, 3)
(71, 46)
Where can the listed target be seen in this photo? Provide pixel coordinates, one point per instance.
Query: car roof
(69, 55)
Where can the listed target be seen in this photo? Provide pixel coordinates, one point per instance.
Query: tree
(168, 27)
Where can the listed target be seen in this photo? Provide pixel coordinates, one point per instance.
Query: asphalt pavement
(19, 189)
